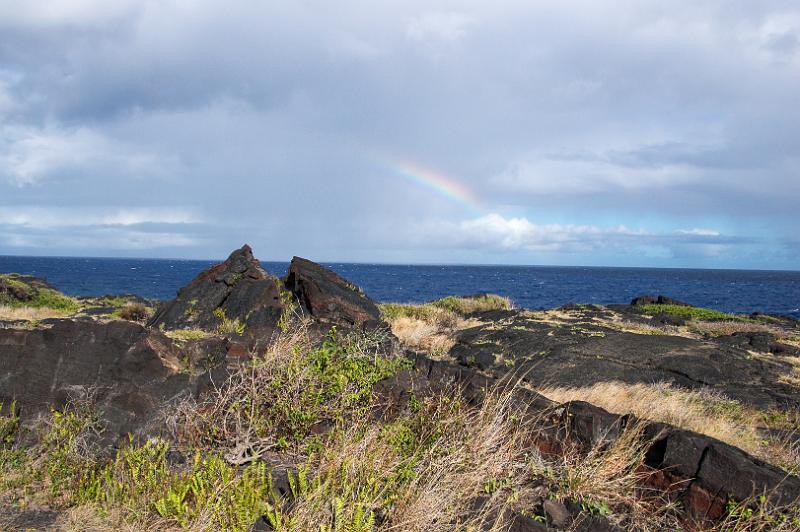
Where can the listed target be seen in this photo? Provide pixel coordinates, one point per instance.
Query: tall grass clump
(431, 326)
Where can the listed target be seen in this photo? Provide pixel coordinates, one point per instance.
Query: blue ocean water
(534, 287)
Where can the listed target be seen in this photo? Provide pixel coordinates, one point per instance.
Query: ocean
(533, 287)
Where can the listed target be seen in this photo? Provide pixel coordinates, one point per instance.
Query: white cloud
(697, 232)
(439, 26)
(53, 217)
(496, 233)
(55, 13)
(30, 154)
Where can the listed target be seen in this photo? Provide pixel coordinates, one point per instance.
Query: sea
(532, 287)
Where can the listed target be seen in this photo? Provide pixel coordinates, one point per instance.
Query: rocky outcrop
(328, 297)
(703, 473)
(237, 291)
(129, 373)
(657, 300)
(700, 472)
(582, 351)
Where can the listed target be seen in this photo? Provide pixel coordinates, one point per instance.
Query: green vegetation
(187, 334)
(355, 460)
(31, 296)
(289, 305)
(444, 312)
(132, 312)
(694, 313)
(227, 325)
(478, 303)
(290, 392)
(114, 301)
(9, 422)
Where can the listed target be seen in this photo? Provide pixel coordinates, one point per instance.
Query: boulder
(657, 300)
(328, 297)
(129, 373)
(238, 291)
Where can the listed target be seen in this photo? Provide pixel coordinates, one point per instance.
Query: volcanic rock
(237, 291)
(328, 297)
(657, 300)
(583, 352)
(128, 373)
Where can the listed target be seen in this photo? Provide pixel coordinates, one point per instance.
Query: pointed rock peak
(234, 295)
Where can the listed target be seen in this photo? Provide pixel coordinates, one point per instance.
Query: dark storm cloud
(281, 125)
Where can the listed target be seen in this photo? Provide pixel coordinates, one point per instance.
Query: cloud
(573, 122)
(497, 233)
(31, 154)
(441, 26)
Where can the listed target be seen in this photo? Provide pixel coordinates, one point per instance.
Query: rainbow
(438, 182)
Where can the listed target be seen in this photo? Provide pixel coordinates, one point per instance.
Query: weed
(227, 325)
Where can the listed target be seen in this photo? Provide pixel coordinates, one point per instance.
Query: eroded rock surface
(579, 350)
(327, 296)
(128, 372)
(238, 290)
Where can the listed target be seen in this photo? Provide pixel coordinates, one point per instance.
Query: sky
(619, 133)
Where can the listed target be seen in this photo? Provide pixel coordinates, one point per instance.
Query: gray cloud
(270, 124)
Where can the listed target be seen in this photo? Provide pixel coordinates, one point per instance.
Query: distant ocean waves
(534, 287)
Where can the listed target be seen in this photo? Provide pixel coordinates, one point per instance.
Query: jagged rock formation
(238, 290)
(328, 297)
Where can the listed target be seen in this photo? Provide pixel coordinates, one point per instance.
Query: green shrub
(132, 312)
(696, 313)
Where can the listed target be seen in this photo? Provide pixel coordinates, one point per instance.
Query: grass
(693, 313)
(424, 468)
(470, 304)
(356, 460)
(227, 325)
(132, 312)
(32, 314)
(187, 334)
(37, 297)
(701, 411)
(430, 326)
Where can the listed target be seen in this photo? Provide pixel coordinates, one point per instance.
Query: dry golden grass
(30, 313)
(453, 456)
(423, 335)
(430, 327)
(701, 411)
(609, 480)
(87, 518)
(643, 328)
(729, 327)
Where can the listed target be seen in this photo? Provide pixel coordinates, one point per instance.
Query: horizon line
(447, 264)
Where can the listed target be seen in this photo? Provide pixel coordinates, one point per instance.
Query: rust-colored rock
(326, 296)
